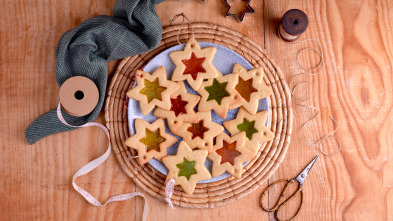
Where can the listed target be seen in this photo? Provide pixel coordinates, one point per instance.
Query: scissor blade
(302, 176)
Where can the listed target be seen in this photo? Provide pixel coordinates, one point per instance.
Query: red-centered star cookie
(200, 134)
(186, 167)
(250, 88)
(182, 108)
(150, 140)
(153, 90)
(194, 64)
(254, 127)
(218, 93)
(229, 154)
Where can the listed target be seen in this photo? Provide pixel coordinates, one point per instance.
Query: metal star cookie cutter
(250, 11)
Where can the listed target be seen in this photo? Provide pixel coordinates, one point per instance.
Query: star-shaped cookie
(153, 90)
(182, 108)
(229, 154)
(200, 134)
(218, 93)
(150, 140)
(254, 127)
(194, 64)
(187, 167)
(250, 88)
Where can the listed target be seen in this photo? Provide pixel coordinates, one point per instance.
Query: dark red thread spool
(292, 25)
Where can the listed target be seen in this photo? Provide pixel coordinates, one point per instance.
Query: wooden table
(354, 86)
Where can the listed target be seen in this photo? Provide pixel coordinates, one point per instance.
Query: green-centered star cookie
(229, 154)
(150, 140)
(254, 127)
(186, 167)
(153, 90)
(200, 134)
(182, 108)
(218, 93)
(194, 64)
(250, 88)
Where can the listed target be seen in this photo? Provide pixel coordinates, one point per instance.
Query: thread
(169, 189)
(282, 33)
(181, 26)
(296, 99)
(293, 23)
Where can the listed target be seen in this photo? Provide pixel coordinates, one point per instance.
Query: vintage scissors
(280, 203)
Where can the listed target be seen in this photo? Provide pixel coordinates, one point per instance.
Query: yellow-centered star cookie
(254, 127)
(250, 88)
(229, 154)
(153, 90)
(218, 93)
(194, 64)
(200, 134)
(150, 140)
(186, 167)
(182, 108)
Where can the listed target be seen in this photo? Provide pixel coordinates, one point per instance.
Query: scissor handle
(300, 191)
(278, 203)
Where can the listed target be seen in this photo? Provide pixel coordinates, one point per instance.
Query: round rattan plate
(222, 192)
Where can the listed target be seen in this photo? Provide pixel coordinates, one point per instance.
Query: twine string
(181, 26)
(94, 164)
(169, 188)
(297, 100)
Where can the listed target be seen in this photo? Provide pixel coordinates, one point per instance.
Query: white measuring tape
(94, 164)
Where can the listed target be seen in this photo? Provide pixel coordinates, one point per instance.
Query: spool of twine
(78, 96)
(292, 25)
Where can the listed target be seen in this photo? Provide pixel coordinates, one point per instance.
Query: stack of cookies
(189, 116)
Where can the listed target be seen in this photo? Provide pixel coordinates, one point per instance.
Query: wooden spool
(257, 171)
(292, 25)
(78, 96)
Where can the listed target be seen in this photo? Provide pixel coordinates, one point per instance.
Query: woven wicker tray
(222, 192)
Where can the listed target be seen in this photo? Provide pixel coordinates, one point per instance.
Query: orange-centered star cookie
(218, 93)
(182, 108)
(229, 154)
(250, 88)
(200, 134)
(187, 167)
(254, 127)
(194, 64)
(153, 90)
(150, 140)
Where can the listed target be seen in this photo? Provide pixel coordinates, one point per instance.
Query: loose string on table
(318, 69)
(181, 26)
(94, 164)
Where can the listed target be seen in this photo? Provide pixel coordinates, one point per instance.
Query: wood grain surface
(354, 86)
